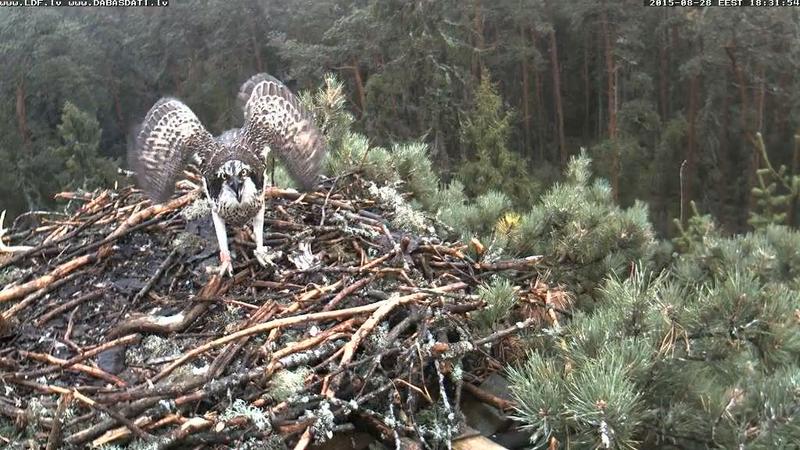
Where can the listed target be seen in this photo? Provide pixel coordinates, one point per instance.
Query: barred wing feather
(170, 134)
(275, 117)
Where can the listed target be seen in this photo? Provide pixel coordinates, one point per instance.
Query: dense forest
(668, 102)
(647, 158)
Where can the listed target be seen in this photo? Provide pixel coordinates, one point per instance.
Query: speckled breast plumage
(238, 214)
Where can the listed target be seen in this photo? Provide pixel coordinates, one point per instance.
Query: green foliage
(772, 206)
(350, 151)
(704, 354)
(81, 165)
(541, 393)
(471, 218)
(485, 131)
(582, 233)
(415, 168)
(499, 297)
(328, 104)
(698, 230)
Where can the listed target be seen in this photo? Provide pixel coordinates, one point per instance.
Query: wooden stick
(119, 417)
(25, 302)
(54, 440)
(347, 291)
(303, 318)
(305, 440)
(306, 344)
(44, 318)
(381, 312)
(488, 398)
(519, 326)
(59, 272)
(85, 400)
(70, 266)
(125, 340)
(89, 370)
(156, 276)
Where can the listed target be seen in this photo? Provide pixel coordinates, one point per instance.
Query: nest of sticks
(115, 330)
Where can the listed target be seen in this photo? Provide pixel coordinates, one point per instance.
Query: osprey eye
(243, 173)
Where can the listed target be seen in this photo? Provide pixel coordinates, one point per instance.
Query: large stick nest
(116, 330)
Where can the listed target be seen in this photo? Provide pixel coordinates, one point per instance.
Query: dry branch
(164, 350)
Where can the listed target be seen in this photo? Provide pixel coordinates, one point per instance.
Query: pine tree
(702, 354)
(774, 206)
(583, 234)
(81, 166)
(491, 165)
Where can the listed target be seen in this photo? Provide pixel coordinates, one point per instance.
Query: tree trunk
(747, 131)
(586, 91)
(741, 85)
(795, 171)
(362, 97)
(562, 146)
(611, 92)
(22, 114)
(726, 174)
(526, 112)
(760, 100)
(782, 108)
(691, 157)
(663, 80)
(256, 53)
(176, 80)
(537, 80)
(118, 109)
(479, 41)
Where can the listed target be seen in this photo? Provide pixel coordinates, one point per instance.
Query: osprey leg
(225, 266)
(261, 253)
(258, 228)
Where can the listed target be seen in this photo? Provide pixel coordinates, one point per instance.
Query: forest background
(667, 101)
(479, 110)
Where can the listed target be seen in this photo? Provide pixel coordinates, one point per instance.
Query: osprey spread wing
(231, 164)
(171, 134)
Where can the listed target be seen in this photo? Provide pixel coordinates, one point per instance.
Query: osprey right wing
(275, 117)
(170, 134)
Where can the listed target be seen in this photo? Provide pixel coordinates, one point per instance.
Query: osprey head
(236, 180)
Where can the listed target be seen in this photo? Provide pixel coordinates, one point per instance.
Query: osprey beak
(237, 185)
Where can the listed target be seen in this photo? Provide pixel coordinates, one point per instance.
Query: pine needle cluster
(499, 297)
(704, 354)
(582, 233)
(778, 190)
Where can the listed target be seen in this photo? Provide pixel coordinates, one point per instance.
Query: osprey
(232, 165)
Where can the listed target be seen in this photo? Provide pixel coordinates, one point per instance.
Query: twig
(305, 440)
(45, 245)
(44, 318)
(288, 321)
(176, 322)
(348, 291)
(125, 340)
(488, 398)
(59, 272)
(156, 276)
(6, 248)
(76, 367)
(85, 400)
(25, 302)
(519, 326)
(54, 440)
